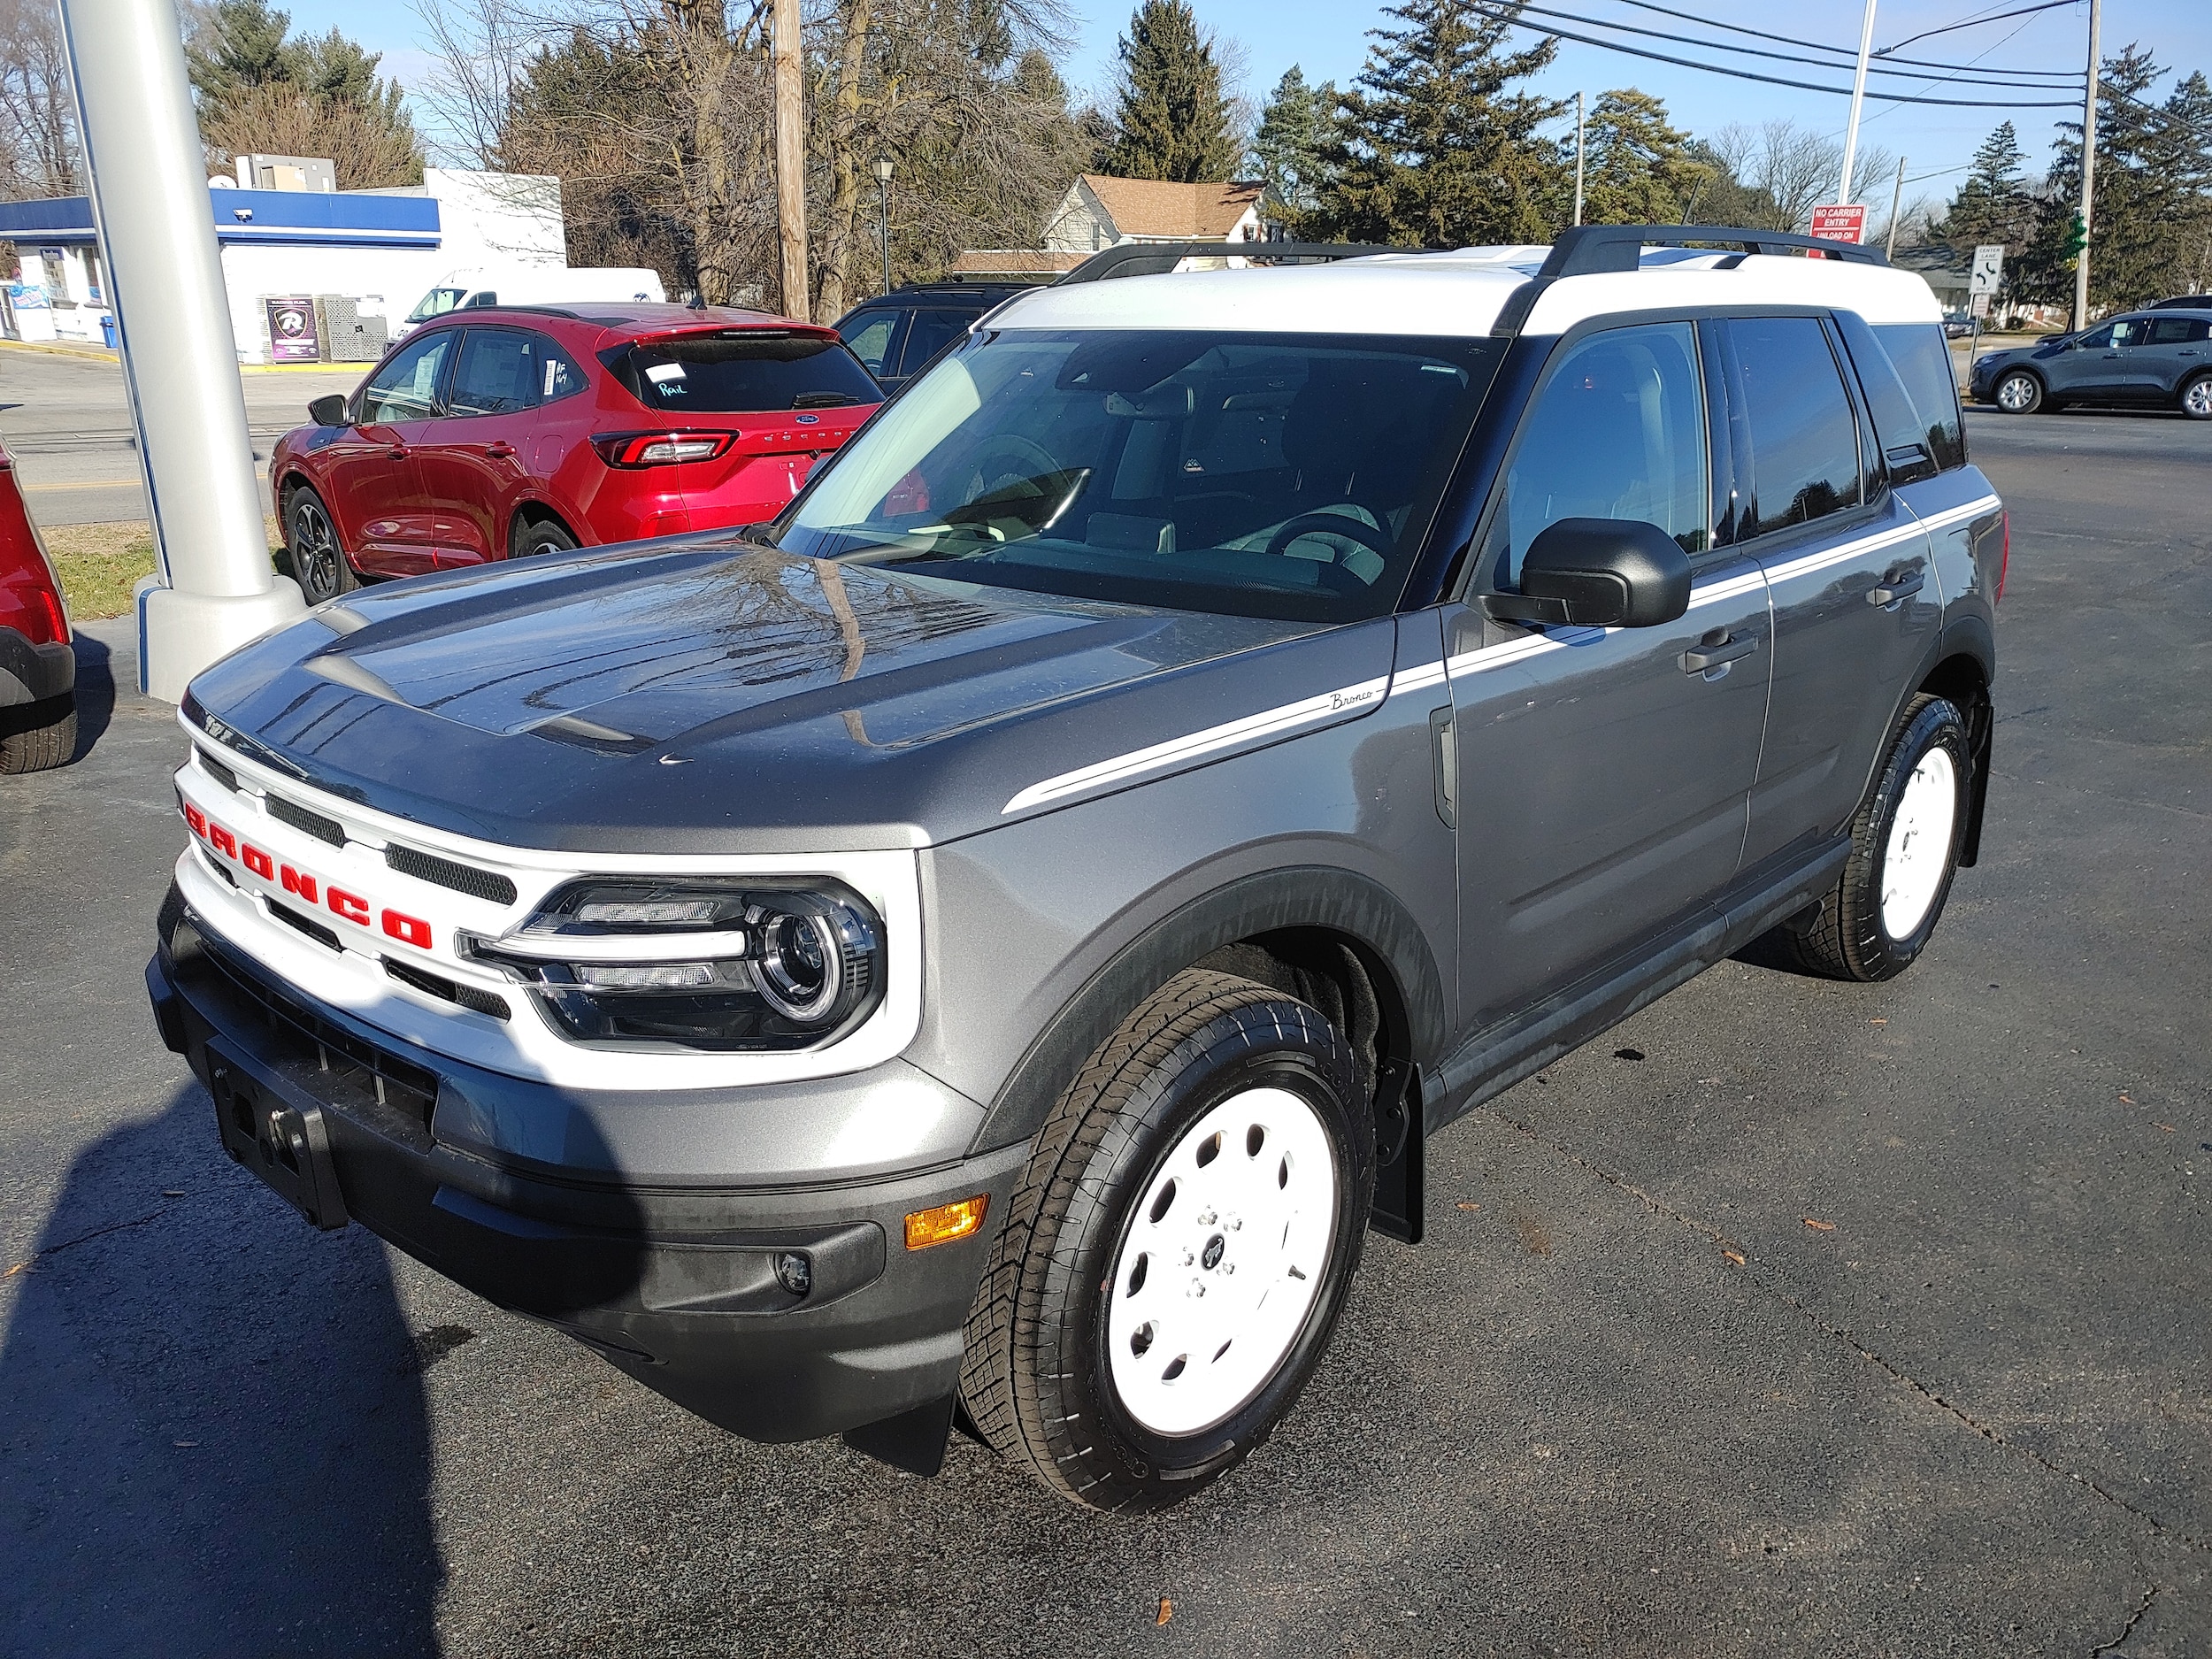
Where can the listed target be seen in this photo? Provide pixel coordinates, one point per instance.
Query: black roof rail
(1155, 258)
(1592, 250)
(1587, 249)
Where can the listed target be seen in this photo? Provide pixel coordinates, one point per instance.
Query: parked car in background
(38, 663)
(897, 335)
(499, 431)
(1958, 325)
(2160, 358)
(2185, 303)
(471, 289)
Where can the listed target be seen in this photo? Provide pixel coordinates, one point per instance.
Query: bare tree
(38, 111)
(1796, 169)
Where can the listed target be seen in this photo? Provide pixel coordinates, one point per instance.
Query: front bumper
(678, 1286)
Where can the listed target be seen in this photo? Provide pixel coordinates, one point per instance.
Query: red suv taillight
(660, 448)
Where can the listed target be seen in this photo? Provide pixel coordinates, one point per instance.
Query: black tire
(1037, 1382)
(319, 564)
(1849, 935)
(26, 746)
(2195, 398)
(547, 535)
(2026, 395)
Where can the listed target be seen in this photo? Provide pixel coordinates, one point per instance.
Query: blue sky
(1327, 38)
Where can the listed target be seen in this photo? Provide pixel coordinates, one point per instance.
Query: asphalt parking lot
(1789, 1319)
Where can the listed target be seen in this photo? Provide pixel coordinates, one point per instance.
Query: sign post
(1841, 221)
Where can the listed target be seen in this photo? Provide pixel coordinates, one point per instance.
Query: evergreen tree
(1287, 146)
(1638, 169)
(1993, 205)
(1173, 120)
(1430, 146)
(262, 90)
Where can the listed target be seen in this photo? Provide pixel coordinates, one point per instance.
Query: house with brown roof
(1100, 212)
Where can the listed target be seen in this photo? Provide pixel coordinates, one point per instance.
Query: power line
(1754, 51)
(1819, 46)
(1508, 17)
(1971, 23)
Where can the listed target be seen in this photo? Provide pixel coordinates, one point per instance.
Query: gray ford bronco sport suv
(982, 949)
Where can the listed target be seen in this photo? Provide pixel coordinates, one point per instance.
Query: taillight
(660, 448)
(2004, 558)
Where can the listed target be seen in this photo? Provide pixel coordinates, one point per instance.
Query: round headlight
(801, 968)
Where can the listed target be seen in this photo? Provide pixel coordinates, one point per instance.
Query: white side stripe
(1267, 723)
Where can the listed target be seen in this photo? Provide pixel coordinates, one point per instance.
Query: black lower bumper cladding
(778, 1313)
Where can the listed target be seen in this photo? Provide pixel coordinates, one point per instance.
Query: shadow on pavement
(96, 692)
(213, 1421)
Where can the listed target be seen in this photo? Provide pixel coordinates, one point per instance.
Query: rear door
(372, 475)
(929, 334)
(1602, 773)
(2175, 350)
(1847, 564)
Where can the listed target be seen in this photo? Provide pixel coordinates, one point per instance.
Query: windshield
(1277, 475)
(437, 303)
(749, 372)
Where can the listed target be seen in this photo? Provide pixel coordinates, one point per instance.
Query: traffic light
(2076, 238)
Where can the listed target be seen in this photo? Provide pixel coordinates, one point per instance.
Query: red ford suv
(506, 431)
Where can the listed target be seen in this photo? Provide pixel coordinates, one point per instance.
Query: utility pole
(1858, 103)
(1577, 158)
(215, 589)
(2088, 172)
(883, 215)
(1896, 196)
(790, 160)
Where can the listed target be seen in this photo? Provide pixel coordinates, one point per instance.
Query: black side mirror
(329, 409)
(1600, 573)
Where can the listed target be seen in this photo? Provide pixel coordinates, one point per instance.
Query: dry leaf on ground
(1820, 1226)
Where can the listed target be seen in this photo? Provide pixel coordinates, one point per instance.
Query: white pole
(1896, 194)
(149, 203)
(1577, 158)
(2088, 172)
(1858, 102)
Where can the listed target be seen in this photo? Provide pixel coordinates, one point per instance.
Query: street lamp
(883, 215)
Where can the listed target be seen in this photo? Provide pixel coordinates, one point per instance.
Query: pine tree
(1993, 205)
(1172, 121)
(261, 90)
(1431, 147)
(1638, 169)
(1286, 146)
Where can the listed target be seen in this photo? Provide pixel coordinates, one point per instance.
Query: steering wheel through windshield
(1333, 575)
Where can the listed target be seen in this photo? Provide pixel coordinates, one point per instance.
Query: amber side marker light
(945, 1223)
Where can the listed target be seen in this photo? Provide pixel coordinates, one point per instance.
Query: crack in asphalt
(2128, 1629)
(31, 1261)
(1740, 1256)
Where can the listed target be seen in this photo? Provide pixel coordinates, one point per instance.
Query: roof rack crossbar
(1588, 249)
(1155, 258)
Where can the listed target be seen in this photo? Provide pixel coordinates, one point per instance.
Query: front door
(2177, 350)
(1847, 564)
(1602, 773)
(473, 463)
(376, 480)
(2104, 366)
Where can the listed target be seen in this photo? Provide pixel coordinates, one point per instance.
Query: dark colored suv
(897, 335)
(991, 943)
(2161, 359)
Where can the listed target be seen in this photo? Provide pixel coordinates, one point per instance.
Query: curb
(55, 348)
(100, 354)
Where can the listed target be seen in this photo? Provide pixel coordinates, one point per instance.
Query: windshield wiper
(823, 400)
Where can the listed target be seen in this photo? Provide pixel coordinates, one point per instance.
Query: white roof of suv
(1462, 292)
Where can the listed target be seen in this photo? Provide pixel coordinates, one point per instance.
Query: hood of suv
(717, 697)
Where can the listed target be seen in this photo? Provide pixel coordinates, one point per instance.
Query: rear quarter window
(740, 373)
(1923, 359)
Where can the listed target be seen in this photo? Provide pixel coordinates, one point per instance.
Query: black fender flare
(1969, 636)
(1364, 913)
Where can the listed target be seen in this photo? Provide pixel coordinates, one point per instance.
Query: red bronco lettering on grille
(351, 907)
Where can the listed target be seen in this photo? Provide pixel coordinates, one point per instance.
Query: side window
(1897, 424)
(1616, 432)
(2128, 331)
(930, 333)
(2179, 331)
(872, 339)
(1923, 357)
(1804, 437)
(2096, 339)
(497, 373)
(406, 388)
(557, 373)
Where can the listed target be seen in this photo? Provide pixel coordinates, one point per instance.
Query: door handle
(1717, 650)
(1895, 585)
(2188, 354)
(499, 451)
(397, 452)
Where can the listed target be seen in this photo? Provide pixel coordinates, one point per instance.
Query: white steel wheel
(1916, 856)
(1225, 1251)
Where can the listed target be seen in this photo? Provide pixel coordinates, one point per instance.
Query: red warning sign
(1846, 222)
